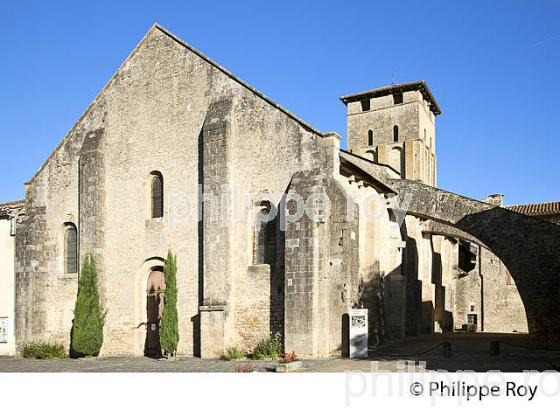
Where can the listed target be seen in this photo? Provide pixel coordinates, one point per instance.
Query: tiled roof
(390, 89)
(542, 209)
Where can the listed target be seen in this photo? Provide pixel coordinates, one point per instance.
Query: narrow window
(71, 249)
(365, 105)
(370, 137)
(157, 195)
(396, 133)
(397, 98)
(264, 241)
(424, 134)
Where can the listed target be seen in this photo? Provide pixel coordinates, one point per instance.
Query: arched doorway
(154, 307)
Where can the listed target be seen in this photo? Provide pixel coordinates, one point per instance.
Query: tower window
(366, 105)
(396, 133)
(370, 137)
(157, 195)
(397, 98)
(71, 249)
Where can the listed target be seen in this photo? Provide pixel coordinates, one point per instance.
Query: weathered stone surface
(527, 246)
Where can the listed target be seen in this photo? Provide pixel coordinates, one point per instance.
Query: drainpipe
(480, 274)
(13, 221)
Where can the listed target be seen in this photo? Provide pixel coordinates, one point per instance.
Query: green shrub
(269, 348)
(233, 353)
(169, 325)
(40, 349)
(86, 337)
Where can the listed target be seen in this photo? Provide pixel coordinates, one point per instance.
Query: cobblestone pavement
(469, 352)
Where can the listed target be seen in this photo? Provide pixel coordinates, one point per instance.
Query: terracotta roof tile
(540, 209)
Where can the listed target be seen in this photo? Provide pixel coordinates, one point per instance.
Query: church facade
(277, 230)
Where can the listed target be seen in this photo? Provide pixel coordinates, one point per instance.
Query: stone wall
(160, 112)
(503, 307)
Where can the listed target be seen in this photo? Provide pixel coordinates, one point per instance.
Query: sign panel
(358, 333)
(3, 330)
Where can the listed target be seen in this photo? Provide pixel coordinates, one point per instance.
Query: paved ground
(470, 352)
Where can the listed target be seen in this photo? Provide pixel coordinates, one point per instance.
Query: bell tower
(395, 126)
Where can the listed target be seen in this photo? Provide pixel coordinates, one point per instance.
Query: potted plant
(288, 363)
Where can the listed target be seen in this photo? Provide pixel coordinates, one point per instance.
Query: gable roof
(538, 209)
(394, 88)
(155, 27)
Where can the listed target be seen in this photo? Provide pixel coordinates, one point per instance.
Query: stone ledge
(212, 308)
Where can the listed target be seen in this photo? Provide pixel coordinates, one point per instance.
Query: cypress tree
(87, 329)
(169, 325)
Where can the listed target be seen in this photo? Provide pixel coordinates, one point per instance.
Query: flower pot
(288, 367)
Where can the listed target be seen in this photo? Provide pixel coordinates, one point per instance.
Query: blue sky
(494, 68)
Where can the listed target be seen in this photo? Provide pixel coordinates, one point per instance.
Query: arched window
(71, 249)
(157, 195)
(396, 133)
(370, 137)
(264, 240)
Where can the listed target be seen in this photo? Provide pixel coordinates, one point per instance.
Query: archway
(528, 247)
(154, 307)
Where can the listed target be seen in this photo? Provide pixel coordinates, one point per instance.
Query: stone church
(277, 230)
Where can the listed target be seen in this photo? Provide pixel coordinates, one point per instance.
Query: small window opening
(366, 105)
(264, 239)
(370, 138)
(397, 98)
(396, 133)
(157, 195)
(71, 249)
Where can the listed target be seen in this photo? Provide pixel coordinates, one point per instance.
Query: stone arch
(528, 247)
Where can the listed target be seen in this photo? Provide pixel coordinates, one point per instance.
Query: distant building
(8, 218)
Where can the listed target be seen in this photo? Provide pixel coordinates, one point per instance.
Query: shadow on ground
(469, 352)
